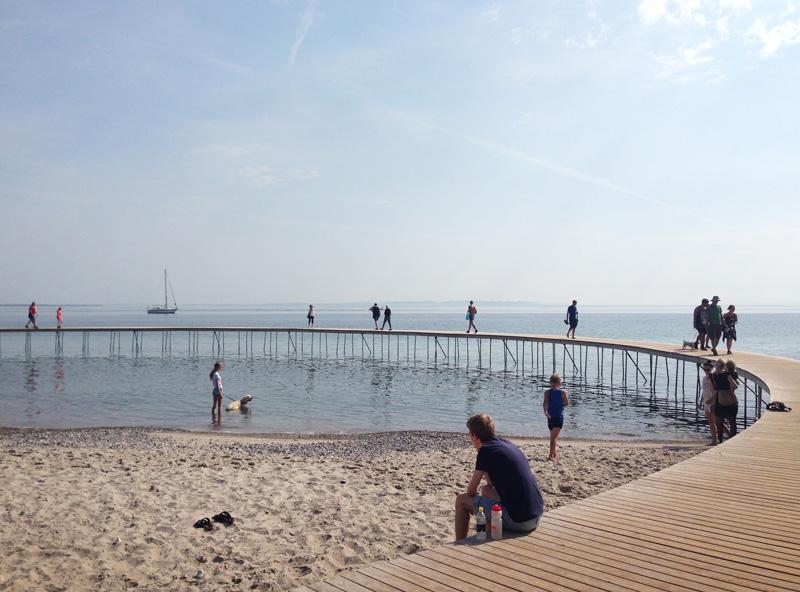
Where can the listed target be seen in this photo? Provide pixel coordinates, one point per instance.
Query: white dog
(689, 344)
(240, 404)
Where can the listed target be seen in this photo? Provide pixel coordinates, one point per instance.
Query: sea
(147, 385)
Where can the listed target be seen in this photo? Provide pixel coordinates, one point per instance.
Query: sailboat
(158, 309)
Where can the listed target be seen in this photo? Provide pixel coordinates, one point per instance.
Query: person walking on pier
(216, 380)
(376, 314)
(707, 402)
(555, 399)
(471, 312)
(730, 319)
(310, 316)
(509, 482)
(32, 314)
(714, 323)
(572, 318)
(723, 382)
(387, 317)
(60, 319)
(700, 324)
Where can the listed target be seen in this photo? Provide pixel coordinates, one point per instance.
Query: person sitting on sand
(555, 399)
(509, 482)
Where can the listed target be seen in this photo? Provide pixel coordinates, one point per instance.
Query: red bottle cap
(497, 509)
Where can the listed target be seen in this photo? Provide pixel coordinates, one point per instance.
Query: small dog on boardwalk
(689, 344)
(240, 404)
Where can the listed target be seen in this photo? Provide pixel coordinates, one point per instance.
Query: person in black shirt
(509, 482)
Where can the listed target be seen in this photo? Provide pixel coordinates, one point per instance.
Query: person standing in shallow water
(216, 381)
(572, 318)
(555, 399)
(471, 312)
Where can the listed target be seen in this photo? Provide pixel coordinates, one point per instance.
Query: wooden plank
(687, 567)
(399, 573)
(437, 572)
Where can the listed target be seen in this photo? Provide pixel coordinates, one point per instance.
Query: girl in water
(216, 380)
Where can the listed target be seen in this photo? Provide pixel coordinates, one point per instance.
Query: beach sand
(113, 509)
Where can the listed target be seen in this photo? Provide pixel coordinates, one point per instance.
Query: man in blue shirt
(572, 318)
(509, 482)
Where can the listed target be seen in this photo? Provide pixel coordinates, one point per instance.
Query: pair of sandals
(206, 524)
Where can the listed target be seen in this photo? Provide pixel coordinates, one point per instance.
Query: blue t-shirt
(511, 476)
(555, 403)
(572, 311)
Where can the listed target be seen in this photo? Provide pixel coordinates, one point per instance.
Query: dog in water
(240, 404)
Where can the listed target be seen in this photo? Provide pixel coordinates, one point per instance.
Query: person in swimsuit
(730, 320)
(555, 399)
(216, 381)
(59, 318)
(471, 312)
(310, 316)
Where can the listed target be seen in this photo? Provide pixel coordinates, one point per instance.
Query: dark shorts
(471, 317)
(715, 331)
(31, 317)
(573, 323)
(555, 422)
(702, 330)
(216, 393)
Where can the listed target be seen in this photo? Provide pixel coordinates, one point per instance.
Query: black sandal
(204, 523)
(224, 517)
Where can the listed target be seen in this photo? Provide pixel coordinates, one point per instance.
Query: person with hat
(714, 323)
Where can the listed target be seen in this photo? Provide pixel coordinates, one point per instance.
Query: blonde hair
(555, 380)
(719, 365)
(482, 426)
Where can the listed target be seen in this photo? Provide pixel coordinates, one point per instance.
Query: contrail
(514, 153)
(302, 30)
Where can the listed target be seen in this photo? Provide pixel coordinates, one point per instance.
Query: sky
(314, 151)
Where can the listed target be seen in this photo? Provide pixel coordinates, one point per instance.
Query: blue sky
(542, 151)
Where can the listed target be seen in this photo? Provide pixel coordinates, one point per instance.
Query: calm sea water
(319, 394)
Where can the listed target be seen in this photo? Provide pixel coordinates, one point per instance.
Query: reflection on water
(313, 395)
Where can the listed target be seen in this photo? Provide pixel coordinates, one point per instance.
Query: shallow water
(316, 394)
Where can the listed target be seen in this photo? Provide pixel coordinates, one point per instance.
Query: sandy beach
(113, 509)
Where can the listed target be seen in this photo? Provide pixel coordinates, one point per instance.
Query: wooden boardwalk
(726, 519)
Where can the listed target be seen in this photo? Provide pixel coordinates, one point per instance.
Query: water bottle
(480, 525)
(497, 523)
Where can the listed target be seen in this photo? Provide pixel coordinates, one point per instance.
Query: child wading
(555, 399)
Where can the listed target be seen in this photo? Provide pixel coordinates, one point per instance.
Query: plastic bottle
(497, 523)
(480, 524)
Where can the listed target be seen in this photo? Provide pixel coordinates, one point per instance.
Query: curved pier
(726, 519)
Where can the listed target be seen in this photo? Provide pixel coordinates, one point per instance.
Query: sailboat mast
(166, 302)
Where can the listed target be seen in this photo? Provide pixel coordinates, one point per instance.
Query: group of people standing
(33, 314)
(719, 400)
(711, 325)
